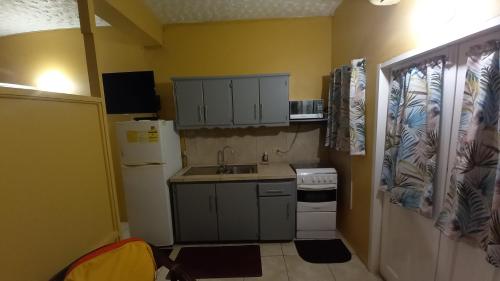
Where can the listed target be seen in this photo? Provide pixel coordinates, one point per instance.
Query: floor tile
(273, 269)
(124, 230)
(270, 249)
(175, 251)
(300, 270)
(289, 249)
(353, 270)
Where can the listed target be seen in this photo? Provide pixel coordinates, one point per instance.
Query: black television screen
(130, 92)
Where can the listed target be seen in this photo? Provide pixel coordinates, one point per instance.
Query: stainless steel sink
(206, 170)
(240, 169)
(217, 170)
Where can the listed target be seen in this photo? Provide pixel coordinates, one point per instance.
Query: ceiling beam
(87, 27)
(132, 17)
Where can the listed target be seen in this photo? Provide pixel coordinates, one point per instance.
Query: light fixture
(384, 2)
(55, 81)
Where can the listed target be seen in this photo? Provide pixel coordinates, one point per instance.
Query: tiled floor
(280, 262)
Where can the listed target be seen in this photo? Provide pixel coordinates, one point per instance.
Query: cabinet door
(189, 101)
(274, 106)
(246, 101)
(196, 216)
(218, 106)
(237, 211)
(277, 218)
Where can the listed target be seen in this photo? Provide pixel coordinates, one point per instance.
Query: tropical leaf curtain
(472, 206)
(337, 136)
(412, 135)
(357, 107)
(346, 109)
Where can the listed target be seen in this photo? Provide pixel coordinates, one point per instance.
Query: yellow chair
(127, 260)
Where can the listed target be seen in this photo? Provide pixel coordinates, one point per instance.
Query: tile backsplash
(248, 145)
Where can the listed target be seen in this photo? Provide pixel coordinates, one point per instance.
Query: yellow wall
(301, 47)
(24, 57)
(360, 29)
(56, 202)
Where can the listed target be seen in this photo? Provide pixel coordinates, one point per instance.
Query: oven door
(323, 200)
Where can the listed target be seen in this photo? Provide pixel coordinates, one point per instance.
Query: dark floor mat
(323, 251)
(221, 262)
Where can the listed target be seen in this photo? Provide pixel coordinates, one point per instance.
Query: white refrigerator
(150, 155)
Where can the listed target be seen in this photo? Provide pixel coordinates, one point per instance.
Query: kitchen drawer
(316, 221)
(276, 188)
(317, 207)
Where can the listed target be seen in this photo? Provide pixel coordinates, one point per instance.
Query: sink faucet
(221, 155)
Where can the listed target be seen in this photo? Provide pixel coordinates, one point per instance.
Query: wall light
(384, 2)
(55, 81)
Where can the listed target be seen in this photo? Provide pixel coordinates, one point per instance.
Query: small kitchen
(255, 167)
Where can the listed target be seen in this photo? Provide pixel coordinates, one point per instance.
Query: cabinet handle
(199, 113)
(210, 203)
(255, 111)
(260, 111)
(205, 112)
(274, 191)
(288, 210)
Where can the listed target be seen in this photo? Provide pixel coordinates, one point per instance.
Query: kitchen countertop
(271, 171)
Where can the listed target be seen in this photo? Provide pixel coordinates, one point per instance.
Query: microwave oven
(306, 109)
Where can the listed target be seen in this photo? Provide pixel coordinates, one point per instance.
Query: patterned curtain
(412, 135)
(342, 142)
(357, 107)
(472, 206)
(337, 136)
(333, 109)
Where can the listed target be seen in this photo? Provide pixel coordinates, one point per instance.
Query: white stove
(316, 202)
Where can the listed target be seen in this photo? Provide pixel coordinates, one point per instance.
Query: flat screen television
(130, 92)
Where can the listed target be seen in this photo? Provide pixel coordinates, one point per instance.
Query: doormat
(221, 261)
(323, 251)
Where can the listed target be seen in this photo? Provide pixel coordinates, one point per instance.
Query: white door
(141, 142)
(460, 261)
(410, 242)
(147, 198)
(412, 249)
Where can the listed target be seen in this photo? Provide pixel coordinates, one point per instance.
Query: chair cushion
(127, 260)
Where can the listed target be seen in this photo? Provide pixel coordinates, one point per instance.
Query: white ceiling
(182, 11)
(19, 16)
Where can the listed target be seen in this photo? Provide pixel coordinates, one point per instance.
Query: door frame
(383, 86)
